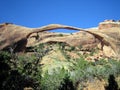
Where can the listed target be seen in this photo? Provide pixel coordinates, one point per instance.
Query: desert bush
(52, 81)
(4, 67)
(84, 71)
(61, 35)
(71, 48)
(67, 84)
(112, 84)
(19, 71)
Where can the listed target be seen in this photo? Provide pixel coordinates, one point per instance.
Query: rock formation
(109, 24)
(19, 37)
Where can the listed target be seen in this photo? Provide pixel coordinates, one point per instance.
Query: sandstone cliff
(19, 38)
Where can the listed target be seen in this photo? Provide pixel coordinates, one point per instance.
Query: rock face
(13, 34)
(19, 37)
(109, 24)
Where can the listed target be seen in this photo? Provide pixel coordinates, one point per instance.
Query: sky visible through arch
(79, 13)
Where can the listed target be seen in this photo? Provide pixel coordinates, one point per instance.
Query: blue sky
(79, 13)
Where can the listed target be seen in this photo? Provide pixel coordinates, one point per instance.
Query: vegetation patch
(21, 71)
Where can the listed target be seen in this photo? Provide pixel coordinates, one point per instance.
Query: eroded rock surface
(19, 37)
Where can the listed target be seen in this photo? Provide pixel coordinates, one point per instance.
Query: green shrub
(61, 35)
(52, 81)
(71, 48)
(18, 72)
(4, 56)
(84, 71)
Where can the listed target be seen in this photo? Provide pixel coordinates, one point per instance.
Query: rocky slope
(94, 44)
